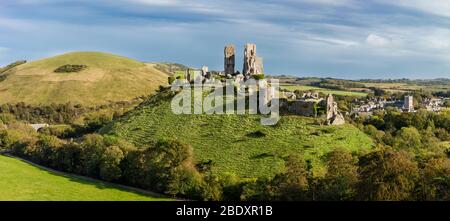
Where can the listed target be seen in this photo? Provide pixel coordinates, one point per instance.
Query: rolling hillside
(105, 78)
(24, 182)
(237, 144)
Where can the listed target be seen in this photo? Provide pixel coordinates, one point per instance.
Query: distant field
(238, 144)
(20, 181)
(292, 87)
(404, 87)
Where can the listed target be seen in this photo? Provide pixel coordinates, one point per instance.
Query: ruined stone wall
(303, 108)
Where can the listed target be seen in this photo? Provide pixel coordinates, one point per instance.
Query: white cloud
(329, 2)
(377, 41)
(15, 24)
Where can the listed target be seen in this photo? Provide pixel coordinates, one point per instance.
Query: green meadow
(21, 181)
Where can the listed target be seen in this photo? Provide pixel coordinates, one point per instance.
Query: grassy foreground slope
(237, 144)
(24, 182)
(107, 78)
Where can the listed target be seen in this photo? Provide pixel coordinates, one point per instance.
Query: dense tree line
(337, 84)
(164, 166)
(61, 113)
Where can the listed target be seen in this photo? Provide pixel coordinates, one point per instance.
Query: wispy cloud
(437, 7)
(341, 38)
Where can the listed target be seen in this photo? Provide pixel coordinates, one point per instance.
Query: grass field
(107, 78)
(293, 87)
(20, 181)
(404, 87)
(238, 144)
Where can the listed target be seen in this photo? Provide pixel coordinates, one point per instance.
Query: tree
(408, 138)
(43, 151)
(435, 180)
(290, 185)
(110, 163)
(169, 168)
(93, 148)
(376, 134)
(68, 158)
(293, 183)
(341, 179)
(387, 175)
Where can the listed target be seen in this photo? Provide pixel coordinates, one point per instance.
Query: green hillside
(24, 182)
(105, 78)
(237, 144)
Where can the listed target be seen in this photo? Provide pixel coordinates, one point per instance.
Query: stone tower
(252, 63)
(330, 107)
(334, 117)
(229, 63)
(249, 59)
(408, 104)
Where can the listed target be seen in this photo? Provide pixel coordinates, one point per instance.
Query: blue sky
(329, 38)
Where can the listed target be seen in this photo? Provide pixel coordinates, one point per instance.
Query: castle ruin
(229, 63)
(252, 64)
(334, 117)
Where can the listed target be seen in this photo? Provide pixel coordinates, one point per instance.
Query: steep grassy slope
(22, 181)
(107, 78)
(238, 144)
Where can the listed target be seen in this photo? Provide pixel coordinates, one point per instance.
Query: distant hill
(88, 78)
(237, 144)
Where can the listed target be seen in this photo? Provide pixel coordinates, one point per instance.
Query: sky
(352, 39)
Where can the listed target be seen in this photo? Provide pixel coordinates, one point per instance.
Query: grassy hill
(106, 78)
(22, 181)
(238, 144)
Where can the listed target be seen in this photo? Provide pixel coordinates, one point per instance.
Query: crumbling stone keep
(252, 63)
(229, 62)
(333, 115)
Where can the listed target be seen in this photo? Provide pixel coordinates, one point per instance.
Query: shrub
(68, 68)
(63, 131)
(258, 76)
(7, 118)
(171, 79)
